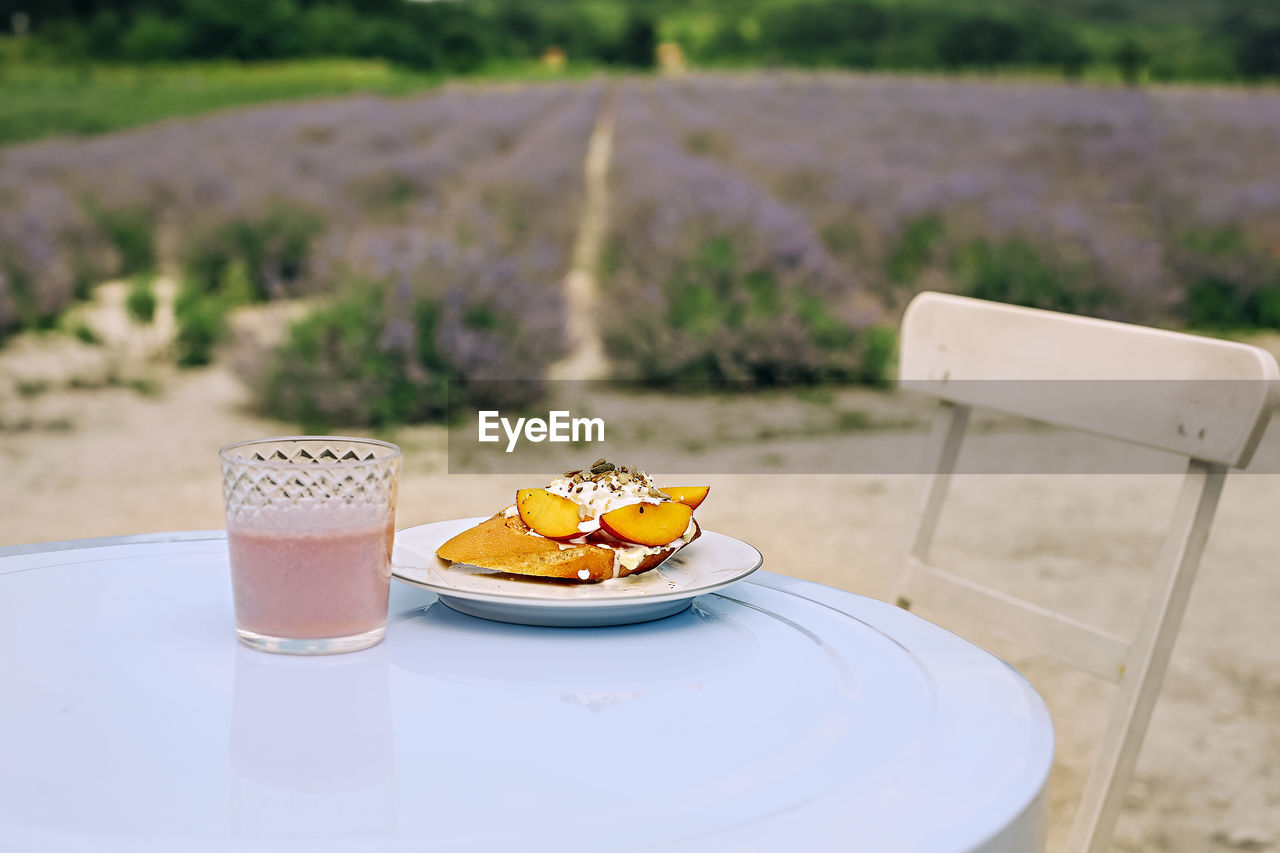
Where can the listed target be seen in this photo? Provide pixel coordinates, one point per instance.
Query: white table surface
(776, 715)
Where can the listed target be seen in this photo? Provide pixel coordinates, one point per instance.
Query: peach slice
(554, 516)
(648, 524)
(690, 496)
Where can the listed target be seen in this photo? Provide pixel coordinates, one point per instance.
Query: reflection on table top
(775, 714)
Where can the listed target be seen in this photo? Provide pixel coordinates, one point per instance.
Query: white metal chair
(947, 341)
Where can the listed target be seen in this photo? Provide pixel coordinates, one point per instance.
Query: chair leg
(1148, 659)
(949, 426)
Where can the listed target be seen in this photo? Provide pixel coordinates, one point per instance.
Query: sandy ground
(103, 440)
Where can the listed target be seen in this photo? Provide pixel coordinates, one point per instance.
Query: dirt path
(587, 359)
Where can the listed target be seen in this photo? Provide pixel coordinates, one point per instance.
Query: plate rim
(574, 603)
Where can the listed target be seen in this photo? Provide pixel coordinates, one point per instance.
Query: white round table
(775, 715)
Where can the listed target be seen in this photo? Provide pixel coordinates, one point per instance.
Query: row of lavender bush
(468, 288)
(711, 277)
(1157, 206)
(438, 229)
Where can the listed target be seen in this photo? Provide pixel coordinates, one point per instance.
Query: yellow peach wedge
(648, 524)
(551, 515)
(690, 496)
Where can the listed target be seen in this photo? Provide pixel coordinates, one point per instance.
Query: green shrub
(272, 248)
(202, 325)
(879, 352)
(235, 287)
(1227, 281)
(201, 312)
(152, 38)
(914, 249)
(1131, 58)
(823, 327)
(979, 41)
(638, 43)
(132, 232)
(826, 32)
(711, 292)
(1214, 303)
(726, 315)
(140, 301)
(24, 308)
(388, 190)
(85, 334)
(1016, 272)
(335, 368)
(1256, 41)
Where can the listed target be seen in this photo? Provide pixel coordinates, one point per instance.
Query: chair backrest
(964, 352)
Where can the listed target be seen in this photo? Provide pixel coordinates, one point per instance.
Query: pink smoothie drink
(327, 581)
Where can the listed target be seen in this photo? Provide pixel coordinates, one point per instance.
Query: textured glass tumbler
(310, 525)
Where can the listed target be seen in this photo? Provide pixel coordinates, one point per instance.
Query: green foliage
(1254, 36)
(980, 41)
(152, 38)
(1133, 37)
(334, 368)
(865, 34)
(1215, 243)
(132, 232)
(728, 43)
(384, 192)
(705, 142)
(914, 249)
(852, 420)
(202, 308)
(879, 353)
(202, 325)
(708, 292)
(1228, 283)
(1216, 304)
(1016, 272)
(638, 44)
(841, 238)
(825, 329)
(451, 37)
(28, 313)
(729, 318)
(85, 334)
(1130, 58)
(270, 251)
(140, 301)
(825, 32)
(1047, 42)
(42, 99)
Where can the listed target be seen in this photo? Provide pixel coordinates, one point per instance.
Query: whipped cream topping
(605, 493)
(595, 497)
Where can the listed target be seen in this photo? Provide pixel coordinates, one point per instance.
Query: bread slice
(504, 544)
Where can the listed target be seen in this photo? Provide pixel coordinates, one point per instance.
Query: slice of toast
(504, 544)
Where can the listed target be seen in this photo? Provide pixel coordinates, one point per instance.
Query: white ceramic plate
(711, 562)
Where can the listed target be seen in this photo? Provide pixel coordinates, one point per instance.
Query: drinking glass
(310, 525)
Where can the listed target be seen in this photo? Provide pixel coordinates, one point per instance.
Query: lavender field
(1156, 206)
(437, 230)
(765, 228)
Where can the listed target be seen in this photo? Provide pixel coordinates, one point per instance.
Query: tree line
(435, 36)
(465, 35)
